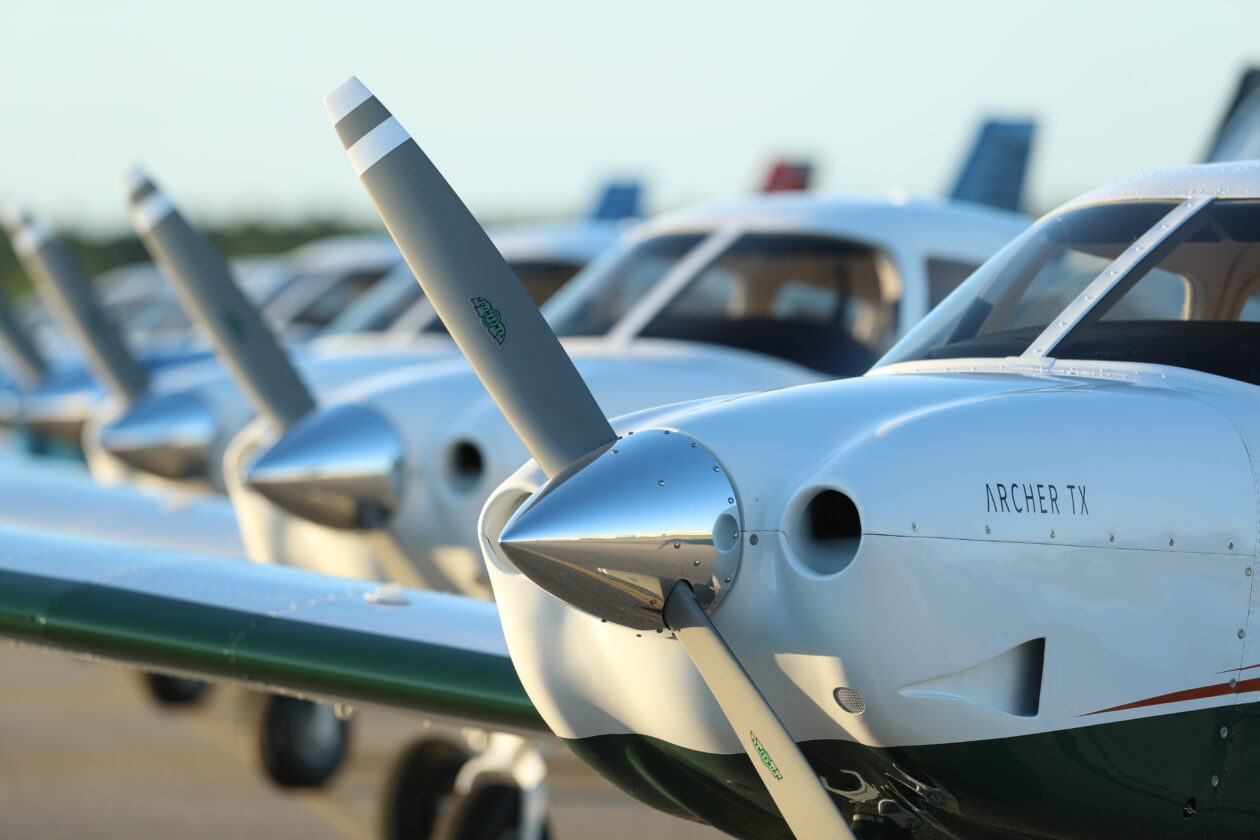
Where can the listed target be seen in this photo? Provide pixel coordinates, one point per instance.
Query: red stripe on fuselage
(1217, 690)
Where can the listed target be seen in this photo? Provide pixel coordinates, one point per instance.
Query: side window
(944, 276)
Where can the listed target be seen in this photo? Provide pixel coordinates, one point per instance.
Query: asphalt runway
(85, 754)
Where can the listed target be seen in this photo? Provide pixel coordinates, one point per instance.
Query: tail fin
(995, 171)
(619, 200)
(1238, 135)
(788, 176)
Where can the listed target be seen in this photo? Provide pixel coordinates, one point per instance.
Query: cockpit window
(1189, 304)
(604, 291)
(377, 308)
(814, 300)
(336, 298)
(1016, 294)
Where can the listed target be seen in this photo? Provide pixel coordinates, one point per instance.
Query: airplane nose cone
(613, 536)
(341, 466)
(171, 435)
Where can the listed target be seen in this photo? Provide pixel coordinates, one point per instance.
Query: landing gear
(486, 786)
(174, 691)
(302, 744)
(420, 788)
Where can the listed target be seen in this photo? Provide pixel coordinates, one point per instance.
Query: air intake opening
(465, 465)
(833, 516)
(828, 531)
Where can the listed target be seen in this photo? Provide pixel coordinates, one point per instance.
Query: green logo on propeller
(490, 317)
(765, 757)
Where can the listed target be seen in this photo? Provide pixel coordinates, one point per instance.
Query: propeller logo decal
(765, 757)
(490, 317)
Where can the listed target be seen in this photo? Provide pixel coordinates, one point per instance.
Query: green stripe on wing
(262, 625)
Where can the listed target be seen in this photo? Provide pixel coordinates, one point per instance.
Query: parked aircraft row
(999, 585)
(179, 433)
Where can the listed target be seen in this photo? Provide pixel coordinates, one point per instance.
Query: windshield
(818, 301)
(313, 300)
(1193, 299)
(378, 307)
(1015, 295)
(603, 292)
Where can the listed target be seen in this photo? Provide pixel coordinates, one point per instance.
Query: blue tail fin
(994, 172)
(619, 200)
(1238, 136)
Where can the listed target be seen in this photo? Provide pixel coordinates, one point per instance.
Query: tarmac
(85, 754)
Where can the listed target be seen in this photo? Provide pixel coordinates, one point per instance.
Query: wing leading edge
(268, 626)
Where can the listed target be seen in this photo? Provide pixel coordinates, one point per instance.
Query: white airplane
(820, 250)
(999, 587)
(967, 234)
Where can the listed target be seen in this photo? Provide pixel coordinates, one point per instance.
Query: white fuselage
(1135, 575)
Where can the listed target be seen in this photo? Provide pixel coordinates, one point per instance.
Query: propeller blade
(66, 290)
(537, 387)
(487, 311)
(206, 289)
(794, 785)
(28, 365)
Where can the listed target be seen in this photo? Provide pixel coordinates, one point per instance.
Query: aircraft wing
(272, 627)
(63, 498)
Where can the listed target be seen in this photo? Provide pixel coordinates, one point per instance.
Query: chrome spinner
(613, 534)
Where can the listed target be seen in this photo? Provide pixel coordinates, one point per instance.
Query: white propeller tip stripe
(133, 179)
(377, 143)
(154, 208)
(349, 95)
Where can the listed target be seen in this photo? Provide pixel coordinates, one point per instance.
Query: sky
(527, 106)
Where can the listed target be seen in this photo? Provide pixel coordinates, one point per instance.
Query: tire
(419, 789)
(491, 811)
(302, 744)
(175, 691)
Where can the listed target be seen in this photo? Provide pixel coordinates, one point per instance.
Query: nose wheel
(481, 786)
(301, 743)
(420, 788)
